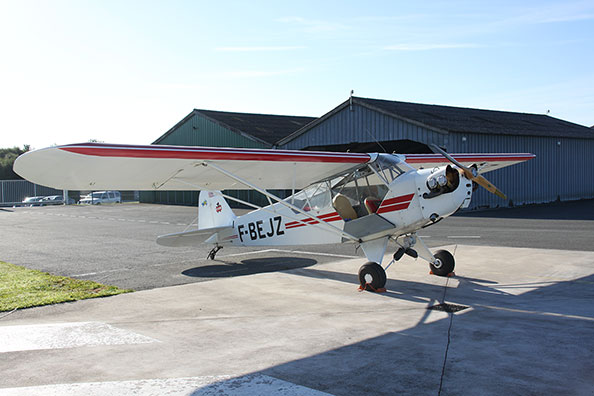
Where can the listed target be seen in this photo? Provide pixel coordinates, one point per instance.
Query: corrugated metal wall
(200, 131)
(560, 171)
(563, 168)
(363, 125)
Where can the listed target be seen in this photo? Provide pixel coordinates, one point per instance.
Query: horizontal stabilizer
(188, 238)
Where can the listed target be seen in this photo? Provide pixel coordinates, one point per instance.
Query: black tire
(447, 263)
(372, 274)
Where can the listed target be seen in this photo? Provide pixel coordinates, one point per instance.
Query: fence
(15, 191)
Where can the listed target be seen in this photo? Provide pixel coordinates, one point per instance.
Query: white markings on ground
(112, 219)
(248, 385)
(558, 315)
(291, 251)
(100, 272)
(66, 335)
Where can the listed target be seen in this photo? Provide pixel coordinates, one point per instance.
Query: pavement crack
(445, 357)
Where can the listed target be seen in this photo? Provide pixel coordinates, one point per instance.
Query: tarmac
(525, 326)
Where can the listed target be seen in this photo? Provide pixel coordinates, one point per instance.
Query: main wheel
(372, 274)
(444, 264)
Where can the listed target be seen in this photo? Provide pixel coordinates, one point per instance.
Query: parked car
(99, 197)
(55, 200)
(32, 201)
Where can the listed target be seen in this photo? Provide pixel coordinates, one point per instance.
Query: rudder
(213, 210)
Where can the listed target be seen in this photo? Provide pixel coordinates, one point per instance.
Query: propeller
(470, 173)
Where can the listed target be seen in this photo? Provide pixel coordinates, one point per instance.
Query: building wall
(364, 125)
(200, 131)
(563, 168)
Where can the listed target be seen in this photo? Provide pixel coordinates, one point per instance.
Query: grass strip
(21, 287)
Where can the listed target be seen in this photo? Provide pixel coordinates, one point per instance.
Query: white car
(55, 200)
(100, 197)
(32, 201)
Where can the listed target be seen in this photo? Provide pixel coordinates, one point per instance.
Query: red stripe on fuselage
(399, 199)
(309, 219)
(393, 208)
(396, 203)
(330, 217)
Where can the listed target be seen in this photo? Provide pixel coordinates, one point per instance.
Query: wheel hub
(437, 263)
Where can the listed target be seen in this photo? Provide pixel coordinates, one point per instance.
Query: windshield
(390, 166)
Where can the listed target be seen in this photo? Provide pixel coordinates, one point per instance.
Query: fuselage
(408, 204)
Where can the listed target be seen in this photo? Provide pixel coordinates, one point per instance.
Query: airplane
(368, 199)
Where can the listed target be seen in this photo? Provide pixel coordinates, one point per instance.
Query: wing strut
(251, 205)
(282, 202)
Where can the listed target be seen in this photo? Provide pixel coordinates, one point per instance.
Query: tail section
(214, 211)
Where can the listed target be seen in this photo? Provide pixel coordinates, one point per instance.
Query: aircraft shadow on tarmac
(571, 210)
(538, 342)
(225, 269)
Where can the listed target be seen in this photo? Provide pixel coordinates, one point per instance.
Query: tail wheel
(372, 276)
(444, 263)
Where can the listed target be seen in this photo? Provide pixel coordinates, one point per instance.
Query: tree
(7, 158)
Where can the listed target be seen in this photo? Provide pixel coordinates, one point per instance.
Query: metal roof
(267, 128)
(445, 119)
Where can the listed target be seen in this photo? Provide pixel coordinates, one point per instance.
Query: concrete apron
(528, 329)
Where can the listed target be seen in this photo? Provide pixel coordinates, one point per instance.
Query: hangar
(563, 168)
(224, 129)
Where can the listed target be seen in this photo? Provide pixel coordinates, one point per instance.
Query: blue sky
(126, 71)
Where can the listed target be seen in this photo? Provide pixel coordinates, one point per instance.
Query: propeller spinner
(470, 173)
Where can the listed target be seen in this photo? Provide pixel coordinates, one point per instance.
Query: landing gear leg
(441, 263)
(213, 252)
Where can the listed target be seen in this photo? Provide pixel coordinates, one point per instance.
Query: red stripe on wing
(438, 158)
(209, 153)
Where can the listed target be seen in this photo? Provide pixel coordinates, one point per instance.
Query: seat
(344, 208)
(372, 204)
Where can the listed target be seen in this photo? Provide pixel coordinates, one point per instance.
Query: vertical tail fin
(213, 210)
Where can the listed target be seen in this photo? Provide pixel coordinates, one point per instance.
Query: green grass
(24, 288)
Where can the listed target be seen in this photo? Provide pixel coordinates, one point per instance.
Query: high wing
(97, 166)
(484, 162)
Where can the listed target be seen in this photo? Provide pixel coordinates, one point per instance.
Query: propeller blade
(475, 177)
(437, 150)
(488, 186)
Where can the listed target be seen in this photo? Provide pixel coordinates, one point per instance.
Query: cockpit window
(390, 166)
(315, 197)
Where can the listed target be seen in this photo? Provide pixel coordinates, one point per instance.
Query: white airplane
(367, 199)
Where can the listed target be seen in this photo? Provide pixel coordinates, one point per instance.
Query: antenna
(375, 140)
(351, 100)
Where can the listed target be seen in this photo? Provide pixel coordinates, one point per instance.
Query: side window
(110, 195)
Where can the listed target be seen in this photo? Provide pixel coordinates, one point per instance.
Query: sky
(126, 71)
